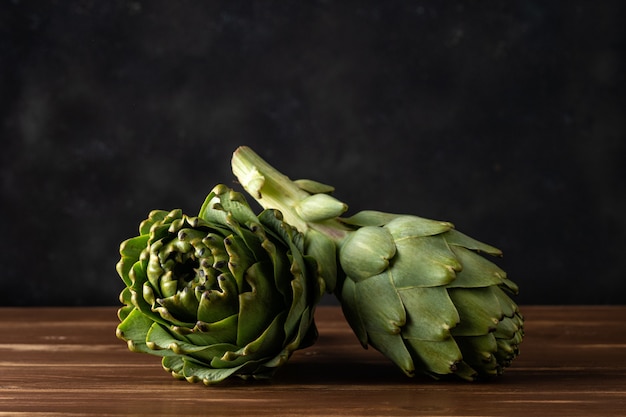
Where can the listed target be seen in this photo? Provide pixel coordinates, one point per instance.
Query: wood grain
(68, 362)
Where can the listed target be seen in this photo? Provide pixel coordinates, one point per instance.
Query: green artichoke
(415, 289)
(418, 291)
(224, 293)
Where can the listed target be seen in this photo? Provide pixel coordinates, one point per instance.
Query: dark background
(505, 118)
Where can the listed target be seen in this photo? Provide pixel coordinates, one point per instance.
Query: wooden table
(68, 362)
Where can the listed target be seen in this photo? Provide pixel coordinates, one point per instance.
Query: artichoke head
(224, 293)
(420, 292)
(415, 289)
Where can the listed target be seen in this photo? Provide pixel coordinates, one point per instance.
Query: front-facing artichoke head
(420, 292)
(224, 293)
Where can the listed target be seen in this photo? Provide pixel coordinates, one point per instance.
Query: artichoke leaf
(408, 226)
(479, 310)
(268, 366)
(223, 202)
(478, 352)
(309, 337)
(430, 313)
(299, 301)
(159, 338)
(508, 306)
(350, 311)
(259, 306)
(223, 331)
(219, 303)
(174, 364)
(134, 330)
(194, 371)
(303, 336)
(159, 231)
(235, 204)
(132, 248)
(507, 328)
(168, 283)
(508, 349)
(394, 348)
(366, 252)
(510, 286)
(153, 268)
(314, 187)
(266, 343)
(456, 238)
(125, 298)
(324, 251)
(218, 258)
(477, 271)
(213, 213)
(195, 238)
(138, 278)
(179, 309)
(279, 257)
(464, 371)
(379, 305)
(319, 207)
(439, 357)
(153, 217)
(275, 225)
(423, 262)
(252, 238)
(369, 218)
(259, 349)
(239, 260)
(123, 268)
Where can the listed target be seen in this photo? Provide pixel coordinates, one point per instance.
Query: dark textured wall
(505, 118)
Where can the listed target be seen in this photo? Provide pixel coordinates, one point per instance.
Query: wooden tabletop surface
(68, 362)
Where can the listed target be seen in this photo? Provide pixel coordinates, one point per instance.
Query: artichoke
(224, 293)
(418, 291)
(415, 289)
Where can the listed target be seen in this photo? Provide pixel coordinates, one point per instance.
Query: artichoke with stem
(224, 293)
(416, 289)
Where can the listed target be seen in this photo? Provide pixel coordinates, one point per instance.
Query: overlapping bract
(225, 293)
(419, 292)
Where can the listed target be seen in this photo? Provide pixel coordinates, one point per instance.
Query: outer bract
(225, 293)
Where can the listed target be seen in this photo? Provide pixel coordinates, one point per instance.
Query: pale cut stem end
(274, 190)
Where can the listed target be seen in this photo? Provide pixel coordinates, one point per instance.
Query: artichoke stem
(274, 190)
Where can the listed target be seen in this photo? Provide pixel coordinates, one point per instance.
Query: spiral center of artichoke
(185, 269)
(177, 264)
